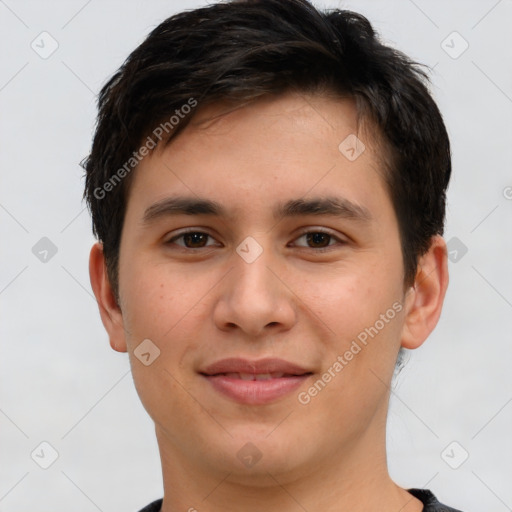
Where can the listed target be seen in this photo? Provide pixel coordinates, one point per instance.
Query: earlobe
(110, 312)
(424, 301)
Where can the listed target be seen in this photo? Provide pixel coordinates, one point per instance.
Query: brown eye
(194, 240)
(318, 239)
(191, 240)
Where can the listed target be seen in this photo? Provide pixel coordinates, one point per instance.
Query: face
(264, 264)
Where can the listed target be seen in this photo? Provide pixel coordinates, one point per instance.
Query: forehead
(314, 114)
(292, 144)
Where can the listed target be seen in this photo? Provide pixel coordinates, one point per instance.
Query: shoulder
(153, 507)
(430, 501)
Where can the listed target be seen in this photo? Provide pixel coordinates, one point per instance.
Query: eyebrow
(332, 206)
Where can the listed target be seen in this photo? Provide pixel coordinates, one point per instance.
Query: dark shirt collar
(430, 502)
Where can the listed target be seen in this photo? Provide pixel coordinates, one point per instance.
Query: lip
(284, 378)
(241, 365)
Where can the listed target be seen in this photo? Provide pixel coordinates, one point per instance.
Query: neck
(353, 480)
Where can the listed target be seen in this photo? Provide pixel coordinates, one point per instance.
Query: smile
(254, 382)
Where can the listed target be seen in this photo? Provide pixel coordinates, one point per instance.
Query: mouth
(256, 376)
(254, 382)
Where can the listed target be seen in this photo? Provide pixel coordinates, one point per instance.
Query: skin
(295, 302)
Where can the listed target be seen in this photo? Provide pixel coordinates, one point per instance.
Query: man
(267, 183)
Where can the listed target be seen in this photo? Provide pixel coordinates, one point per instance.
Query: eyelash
(304, 233)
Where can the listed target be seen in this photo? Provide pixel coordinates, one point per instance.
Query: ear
(424, 300)
(111, 314)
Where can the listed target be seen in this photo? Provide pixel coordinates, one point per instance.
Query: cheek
(165, 311)
(150, 303)
(349, 298)
(165, 306)
(362, 316)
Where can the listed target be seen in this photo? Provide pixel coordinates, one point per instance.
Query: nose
(255, 298)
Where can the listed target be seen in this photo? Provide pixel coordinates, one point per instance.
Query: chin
(253, 456)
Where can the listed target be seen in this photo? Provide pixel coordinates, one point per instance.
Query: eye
(318, 240)
(191, 240)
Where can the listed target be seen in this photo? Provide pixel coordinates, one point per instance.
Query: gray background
(60, 381)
